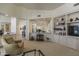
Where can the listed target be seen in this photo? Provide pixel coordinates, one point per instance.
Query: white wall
(50, 25)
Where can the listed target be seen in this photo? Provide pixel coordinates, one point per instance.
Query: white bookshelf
(69, 41)
(59, 25)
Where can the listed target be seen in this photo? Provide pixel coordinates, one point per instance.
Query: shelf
(59, 25)
(74, 22)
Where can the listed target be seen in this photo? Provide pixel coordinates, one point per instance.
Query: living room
(19, 21)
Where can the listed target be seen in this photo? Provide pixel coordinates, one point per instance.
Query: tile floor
(51, 48)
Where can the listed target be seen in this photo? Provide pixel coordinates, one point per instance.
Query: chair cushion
(13, 49)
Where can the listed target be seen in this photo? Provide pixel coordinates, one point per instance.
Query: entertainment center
(66, 30)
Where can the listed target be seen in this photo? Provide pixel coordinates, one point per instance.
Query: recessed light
(6, 14)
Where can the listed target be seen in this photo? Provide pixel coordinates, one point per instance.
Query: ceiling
(39, 6)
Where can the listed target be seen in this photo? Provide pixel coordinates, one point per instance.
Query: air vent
(76, 4)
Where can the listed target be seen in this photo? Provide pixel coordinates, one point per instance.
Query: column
(13, 25)
(27, 29)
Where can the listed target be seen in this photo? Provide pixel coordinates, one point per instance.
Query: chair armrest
(18, 41)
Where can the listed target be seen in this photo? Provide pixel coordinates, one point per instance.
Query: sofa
(11, 46)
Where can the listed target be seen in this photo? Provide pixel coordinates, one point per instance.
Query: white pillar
(27, 29)
(13, 25)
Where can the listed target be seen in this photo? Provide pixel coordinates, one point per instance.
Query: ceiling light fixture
(6, 14)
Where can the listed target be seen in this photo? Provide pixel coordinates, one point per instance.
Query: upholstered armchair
(11, 46)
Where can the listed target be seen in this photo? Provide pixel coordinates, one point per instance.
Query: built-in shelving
(71, 25)
(59, 25)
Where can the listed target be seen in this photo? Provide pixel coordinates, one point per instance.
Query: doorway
(41, 24)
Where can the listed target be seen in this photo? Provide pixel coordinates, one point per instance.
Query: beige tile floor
(51, 48)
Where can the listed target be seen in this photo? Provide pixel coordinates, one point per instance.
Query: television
(73, 30)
